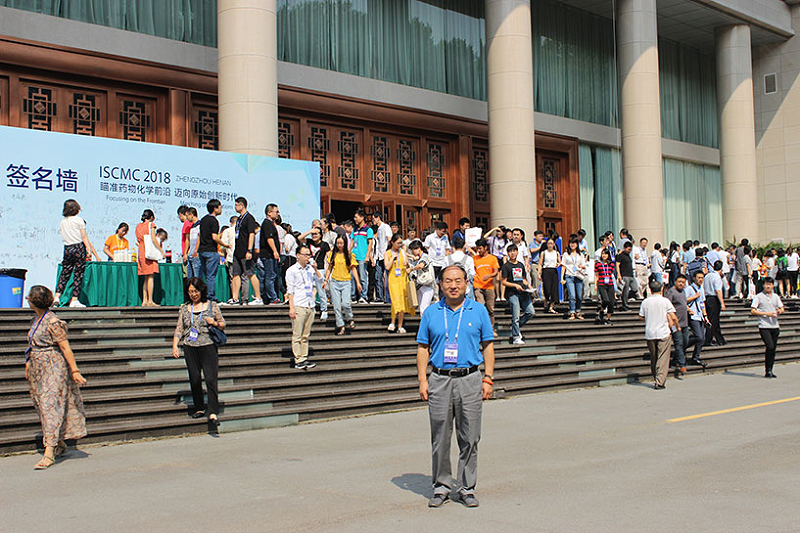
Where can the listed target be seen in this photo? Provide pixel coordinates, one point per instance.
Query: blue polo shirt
(699, 304)
(476, 327)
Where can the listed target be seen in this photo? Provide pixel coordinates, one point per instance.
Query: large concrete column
(247, 51)
(737, 133)
(643, 187)
(509, 73)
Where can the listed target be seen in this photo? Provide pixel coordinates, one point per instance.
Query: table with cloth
(107, 284)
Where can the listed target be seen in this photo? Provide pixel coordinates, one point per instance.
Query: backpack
(783, 264)
(694, 266)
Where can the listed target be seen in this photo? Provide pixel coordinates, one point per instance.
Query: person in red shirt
(187, 227)
(604, 279)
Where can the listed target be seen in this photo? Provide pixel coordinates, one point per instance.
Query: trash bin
(12, 281)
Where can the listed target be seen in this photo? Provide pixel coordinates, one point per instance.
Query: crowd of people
(366, 260)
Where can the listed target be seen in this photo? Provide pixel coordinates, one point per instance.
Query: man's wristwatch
(489, 377)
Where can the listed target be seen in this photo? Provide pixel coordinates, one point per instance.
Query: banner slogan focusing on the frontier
(114, 181)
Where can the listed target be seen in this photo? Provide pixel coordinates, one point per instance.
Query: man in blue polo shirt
(451, 335)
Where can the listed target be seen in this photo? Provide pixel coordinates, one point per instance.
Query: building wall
(778, 137)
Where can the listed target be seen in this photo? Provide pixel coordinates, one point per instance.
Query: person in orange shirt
(486, 269)
(116, 241)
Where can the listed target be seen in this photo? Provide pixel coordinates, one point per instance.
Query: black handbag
(218, 337)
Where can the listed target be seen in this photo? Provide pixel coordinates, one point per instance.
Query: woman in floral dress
(53, 377)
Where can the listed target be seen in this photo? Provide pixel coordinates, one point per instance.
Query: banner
(115, 180)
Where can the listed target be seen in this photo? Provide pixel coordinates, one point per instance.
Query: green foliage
(760, 249)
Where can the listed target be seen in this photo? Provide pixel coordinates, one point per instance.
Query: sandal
(60, 450)
(340, 331)
(45, 463)
(352, 324)
(580, 316)
(571, 316)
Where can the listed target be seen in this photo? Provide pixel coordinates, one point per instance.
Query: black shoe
(300, 366)
(699, 362)
(770, 375)
(659, 387)
(309, 365)
(198, 414)
(437, 500)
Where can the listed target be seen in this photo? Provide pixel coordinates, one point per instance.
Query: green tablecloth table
(107, 284)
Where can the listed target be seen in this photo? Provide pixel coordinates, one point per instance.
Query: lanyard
(201, 316)
(458, 328)
(36, 327)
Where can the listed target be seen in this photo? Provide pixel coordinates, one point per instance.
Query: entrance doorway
(344, 210)
(557, 186)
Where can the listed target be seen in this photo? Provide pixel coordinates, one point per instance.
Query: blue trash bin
(12, 282)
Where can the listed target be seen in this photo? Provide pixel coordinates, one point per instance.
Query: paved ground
(594, 460)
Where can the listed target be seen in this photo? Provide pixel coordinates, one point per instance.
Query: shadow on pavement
(416, 483)
(744, 374)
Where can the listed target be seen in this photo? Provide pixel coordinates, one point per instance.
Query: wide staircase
(137, 389)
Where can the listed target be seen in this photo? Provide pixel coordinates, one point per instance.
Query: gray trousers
(459, 400)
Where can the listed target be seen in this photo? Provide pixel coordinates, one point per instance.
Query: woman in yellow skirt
(395, 263)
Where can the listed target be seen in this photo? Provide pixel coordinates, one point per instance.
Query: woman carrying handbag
(420, 270)
(199, 331)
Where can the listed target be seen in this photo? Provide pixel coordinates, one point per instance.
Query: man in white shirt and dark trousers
(300, 291)
(659, 318)
(382, 237)
(767, 306)
(715, 303)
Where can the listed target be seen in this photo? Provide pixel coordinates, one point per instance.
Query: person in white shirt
(524, 253)
(659, 318)
(792, 267)
(382, 237)
(76, 248)
(767, 306)
(462, 258)
(300, 291)
(438, 246)
(657, 263)
(641, 265)
(228, 237)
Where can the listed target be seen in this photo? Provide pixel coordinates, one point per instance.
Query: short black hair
(242, 200)
(182, 209)
(481, 242)
(627, 244)
(192, 210)
(269, 208)
(71, 208)
(162, 231)
(680, 276)
(440, 224)
(581, 232)
(213, 204)
(123, 225)
(769, 279)
(377, 214)
(148, 214)
(413, 245)
(538, 232)
(512, 248)
(40, 296)
(300, 247)
(714, 245)
(458, 242)
(718, 265)
(463, 220)
(198, 284)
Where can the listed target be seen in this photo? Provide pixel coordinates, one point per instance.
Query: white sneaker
(391, 327)
(518, 340)
(257, 301)
(324, 315)
(362, 300)
(231, 302)
(76, 303)
(401, 330)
